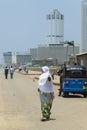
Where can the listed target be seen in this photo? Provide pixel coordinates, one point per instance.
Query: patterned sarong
(46, 104)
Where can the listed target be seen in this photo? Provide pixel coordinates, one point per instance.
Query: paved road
(20, 107)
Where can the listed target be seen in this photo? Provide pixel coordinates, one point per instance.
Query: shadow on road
(73, 96)
(51, 119)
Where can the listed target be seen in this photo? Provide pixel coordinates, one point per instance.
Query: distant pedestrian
(61, 83)
(6, 72)
(11, 72)
(46, 93)
(60, 73)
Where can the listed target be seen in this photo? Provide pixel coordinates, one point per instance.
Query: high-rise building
(84, 26)
(55, 27)
(55, 47)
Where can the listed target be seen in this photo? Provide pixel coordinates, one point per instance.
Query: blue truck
(74, 80)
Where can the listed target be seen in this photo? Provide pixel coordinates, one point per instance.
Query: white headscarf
(43, 80)
(45, 69)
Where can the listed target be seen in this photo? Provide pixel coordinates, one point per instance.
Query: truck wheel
(65, 94)
(85, 95)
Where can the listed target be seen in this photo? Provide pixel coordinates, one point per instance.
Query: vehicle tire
(85, 95)
(65, 94)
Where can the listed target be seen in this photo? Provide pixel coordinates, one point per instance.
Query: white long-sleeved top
(44, 84)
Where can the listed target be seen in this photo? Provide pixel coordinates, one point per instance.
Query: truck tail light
(67, 82)
(85, 83)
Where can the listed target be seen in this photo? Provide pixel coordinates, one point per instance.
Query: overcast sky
(23, 22)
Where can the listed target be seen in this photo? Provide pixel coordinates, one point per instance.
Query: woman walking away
(46, 93)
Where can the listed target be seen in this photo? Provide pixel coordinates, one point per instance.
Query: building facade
(9, 58)
(84, 26)
(82, 59)
(55, 27)
(33, 52)
(23, 58)
(16, 58)
(60, 52)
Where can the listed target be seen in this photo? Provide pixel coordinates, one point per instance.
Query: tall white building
(84, 26)
(55, 27)
(55, 47)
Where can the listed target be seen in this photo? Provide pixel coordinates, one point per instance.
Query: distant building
(56, 51)
(33, 52)
(84, 26)
(17, 58)
(55, 27)
(55, 47)
(48, 62)
(23, 58)
(82, 59)
(9, 58)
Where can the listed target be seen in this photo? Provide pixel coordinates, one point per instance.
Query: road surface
(20, 107)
